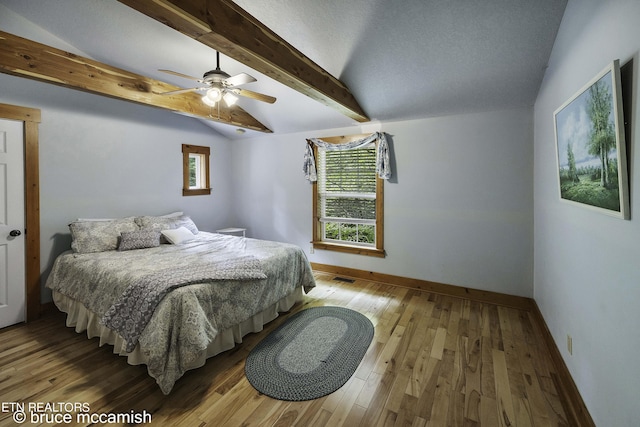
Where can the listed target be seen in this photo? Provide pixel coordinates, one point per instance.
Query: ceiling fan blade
(254, 95)
(176, 92)
(239, 79)
(175, 73)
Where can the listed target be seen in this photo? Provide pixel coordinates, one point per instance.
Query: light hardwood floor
(434, 361)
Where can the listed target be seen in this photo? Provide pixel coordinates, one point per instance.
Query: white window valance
(383, 168)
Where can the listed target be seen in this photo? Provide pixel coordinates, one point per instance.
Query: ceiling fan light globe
(230, 99)
(214, 94)
(208, 101)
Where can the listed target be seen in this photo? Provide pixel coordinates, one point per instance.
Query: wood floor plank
(376, 405)
(386, 360)
(473, 382)
(396, 394)
(369, 390)
(435, 360)
(355, 416)
(442, 399)
(407, 410)
(458, 383)
(488, 412)
(437, 349)
(341, 411)
(504, 398)
(267, 412)
(429, 386)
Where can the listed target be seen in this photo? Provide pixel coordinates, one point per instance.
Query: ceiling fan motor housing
(214, 76)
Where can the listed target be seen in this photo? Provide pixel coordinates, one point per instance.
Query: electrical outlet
(570, 344)
(311, 249)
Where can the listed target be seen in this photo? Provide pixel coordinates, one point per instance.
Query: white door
(12, 243)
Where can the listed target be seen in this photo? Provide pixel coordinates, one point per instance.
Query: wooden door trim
(31, 119)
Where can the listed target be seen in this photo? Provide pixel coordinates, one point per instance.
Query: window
(195, 170)
(348, 200)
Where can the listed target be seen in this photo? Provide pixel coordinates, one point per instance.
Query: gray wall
(587, 265)
(458, 209)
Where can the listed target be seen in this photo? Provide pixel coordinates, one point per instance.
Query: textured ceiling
(426, 58)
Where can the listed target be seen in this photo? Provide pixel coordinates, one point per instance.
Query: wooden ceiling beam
(26, 58)
(229, 29)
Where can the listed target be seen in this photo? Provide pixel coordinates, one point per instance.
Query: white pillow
(178, 235)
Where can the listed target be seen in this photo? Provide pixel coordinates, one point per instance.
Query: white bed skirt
(82, 319)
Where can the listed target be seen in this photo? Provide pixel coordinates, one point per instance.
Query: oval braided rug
(311, 355)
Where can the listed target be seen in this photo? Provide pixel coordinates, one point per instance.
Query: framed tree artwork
(590, 146)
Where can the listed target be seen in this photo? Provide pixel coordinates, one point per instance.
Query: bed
(168, 295)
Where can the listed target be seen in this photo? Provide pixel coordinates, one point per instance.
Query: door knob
(14, 233)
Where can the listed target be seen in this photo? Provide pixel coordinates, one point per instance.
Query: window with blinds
(347, 195)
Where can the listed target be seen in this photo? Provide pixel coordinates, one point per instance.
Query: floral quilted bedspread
(198, 311)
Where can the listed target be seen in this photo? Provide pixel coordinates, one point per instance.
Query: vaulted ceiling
(338, 64)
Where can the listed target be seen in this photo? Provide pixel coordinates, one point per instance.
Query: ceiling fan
(219, 85)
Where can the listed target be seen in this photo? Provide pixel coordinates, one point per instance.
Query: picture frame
(591, 148)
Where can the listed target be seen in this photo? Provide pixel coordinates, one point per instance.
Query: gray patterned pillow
(157, 223)
(99, 236)
(140, 239)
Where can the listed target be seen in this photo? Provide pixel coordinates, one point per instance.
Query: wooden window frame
(186, 151)
(317, 241)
